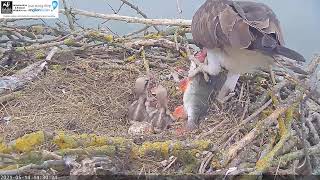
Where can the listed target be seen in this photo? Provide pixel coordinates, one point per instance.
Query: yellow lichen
(202, 144)
(108, 38)
(69, 42)
(87, 140)
(160, 148)
(100, 36)
(64, 141)
(103, 150)
(10, 167)
(131, 58)
(4, 148)
(282, 126)
(28, 142)
(56, 67)
(154, 36)
(183, 54)
(39, 55)
(265, 162)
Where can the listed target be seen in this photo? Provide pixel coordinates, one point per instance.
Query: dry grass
(78, 95)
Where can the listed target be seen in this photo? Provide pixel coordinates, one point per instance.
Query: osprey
(240, 36)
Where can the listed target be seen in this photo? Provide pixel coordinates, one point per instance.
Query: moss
(37, 29)
(64, 141)
(266, 161)
(274, 98)
(282, 126)
(103, 150)
(29, 141)
(131, 58)
(31, 158)
(156, 148)
(108, 38)
(40, 55)
(187, 157)
(19, 49)
(154, 36)
(4, 148)
(202, 144)
(69, 42)
(10, 167)
(183, 54)
(56, 67)
(100, 36)
(191, 168)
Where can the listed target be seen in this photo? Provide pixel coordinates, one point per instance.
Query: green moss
(40, 55)
(4, 148)
(155, 148)
(131, 58)
(31, 158)
(37, 29)
(103, 150)
(70, 42)
(154, 36)
(56, 67)
(100, 36)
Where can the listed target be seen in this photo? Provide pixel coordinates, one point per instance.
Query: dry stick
(137, 32)
(145, 61)
(313, 130)
(248, 119)
(139, 12)
(129, 19)
(44, 165)
(234, 149)
(214, 129)
(296, 155)
(68, 15)
(303, 133)
(205, 162)
(47, 45)
(170, 164)
(9, 97)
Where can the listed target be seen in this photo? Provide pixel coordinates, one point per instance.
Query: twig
(145, 61)
(67, 13)
(170, 164)
(296, 155)
(139, 12)
(138, 31)
(303, 133)
(234, 149)
(214, 129)
(205, 162)
(9, 97)
(21, 170)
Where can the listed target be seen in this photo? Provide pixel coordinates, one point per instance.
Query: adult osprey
(240, 36)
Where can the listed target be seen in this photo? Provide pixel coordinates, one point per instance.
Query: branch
(139, 12)
(68, 15)
(129, 19)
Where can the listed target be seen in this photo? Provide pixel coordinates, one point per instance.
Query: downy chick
(137, 110)
(161, 118)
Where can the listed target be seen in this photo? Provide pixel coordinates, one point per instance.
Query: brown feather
(224, 23)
